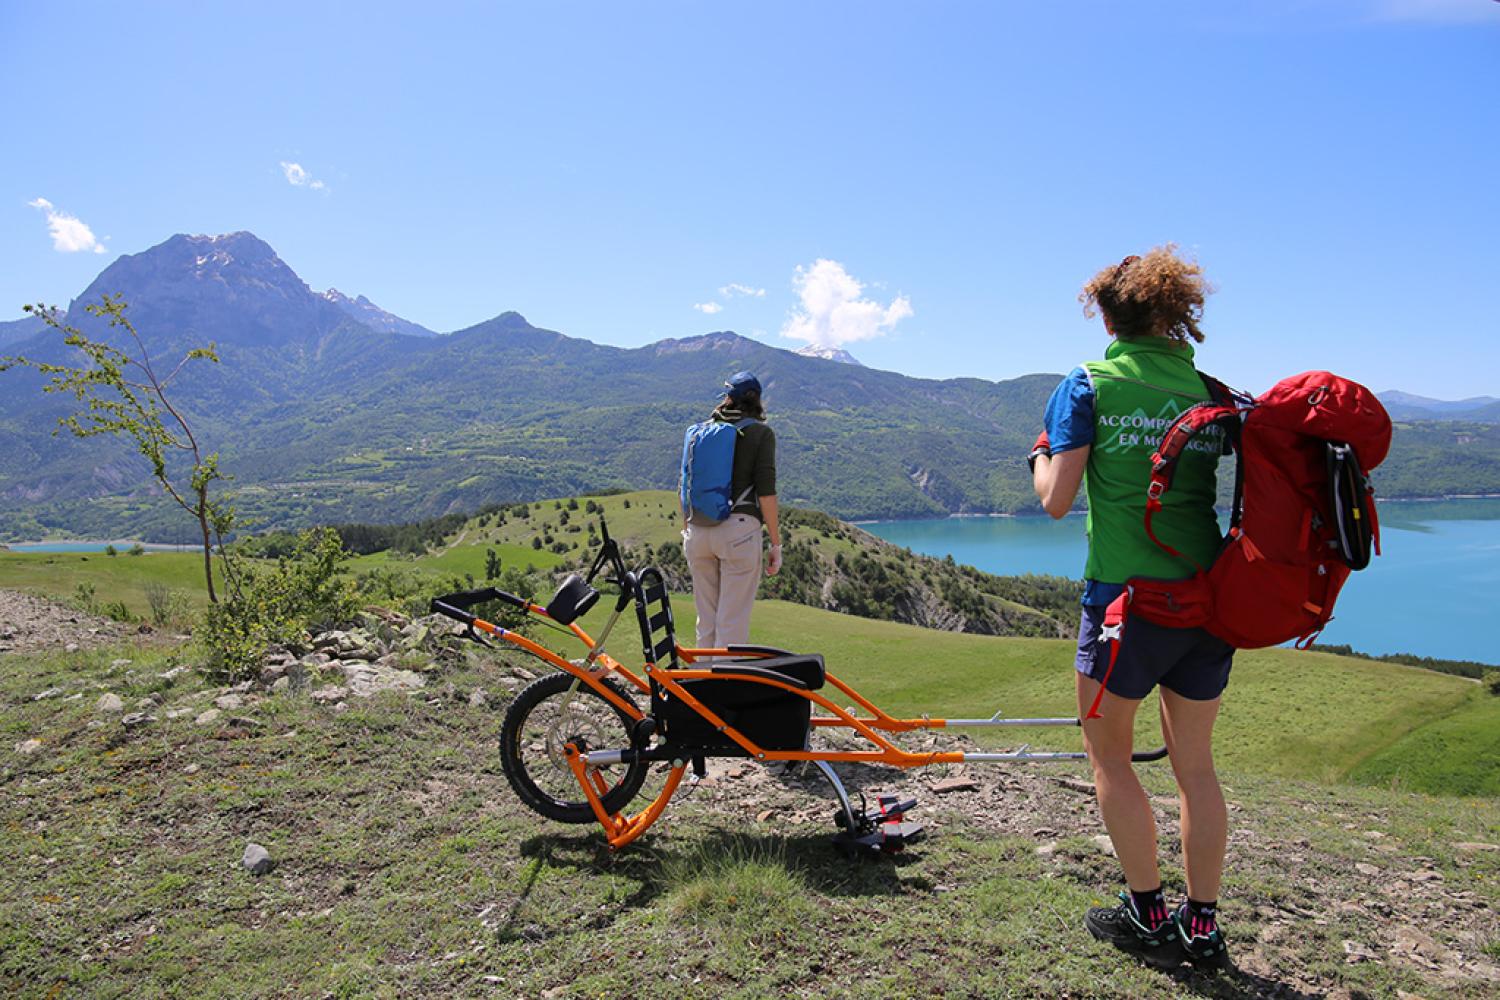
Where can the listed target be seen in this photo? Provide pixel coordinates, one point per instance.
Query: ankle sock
(1150, 907)
(1200, 919)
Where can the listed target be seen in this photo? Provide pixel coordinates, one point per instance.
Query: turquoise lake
(1432, 592)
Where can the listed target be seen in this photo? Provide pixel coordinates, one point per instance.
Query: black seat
(769, 716)
(805, 670)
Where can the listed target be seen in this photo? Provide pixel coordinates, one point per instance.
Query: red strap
(1153, 504)
(1114, 619)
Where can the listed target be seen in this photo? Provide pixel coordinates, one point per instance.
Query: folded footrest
(882, 830)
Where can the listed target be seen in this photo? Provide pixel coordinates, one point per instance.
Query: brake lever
(476, 637)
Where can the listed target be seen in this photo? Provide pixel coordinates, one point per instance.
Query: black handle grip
(453, 605)
(1156, 754)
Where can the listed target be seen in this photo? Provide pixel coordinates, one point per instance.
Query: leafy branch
(122, 395)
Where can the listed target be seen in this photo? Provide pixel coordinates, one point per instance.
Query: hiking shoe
(1206, 952)
(1160, 948)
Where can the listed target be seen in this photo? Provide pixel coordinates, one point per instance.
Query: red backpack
(1303, 516)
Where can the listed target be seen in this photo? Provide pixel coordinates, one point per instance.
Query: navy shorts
(1188, 661)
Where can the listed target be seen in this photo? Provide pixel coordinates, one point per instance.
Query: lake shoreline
(77, 545)
(978, 515)
(1418, 600)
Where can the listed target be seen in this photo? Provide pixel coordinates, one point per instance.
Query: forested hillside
(320, 418)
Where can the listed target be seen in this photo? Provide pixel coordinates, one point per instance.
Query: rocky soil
(30, 623)
(1404, 907)
(1319, 880)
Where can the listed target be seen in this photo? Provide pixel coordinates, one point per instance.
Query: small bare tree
(123, 395)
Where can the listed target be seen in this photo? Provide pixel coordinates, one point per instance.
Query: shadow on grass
(659, 868)
(1238, 984)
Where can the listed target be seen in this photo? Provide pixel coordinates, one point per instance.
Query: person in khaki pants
(725, 558)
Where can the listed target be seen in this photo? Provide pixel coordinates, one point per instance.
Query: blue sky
(928, 183)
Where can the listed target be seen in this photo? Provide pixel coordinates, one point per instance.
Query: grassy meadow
(1362, 797)
(405, 867)
(1305, 715)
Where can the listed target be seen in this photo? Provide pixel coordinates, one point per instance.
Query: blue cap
(740, 384)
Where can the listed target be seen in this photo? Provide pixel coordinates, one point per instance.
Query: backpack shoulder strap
(1189, 424)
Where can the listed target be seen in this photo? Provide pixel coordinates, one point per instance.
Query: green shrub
(137, 550)
(167, 605)
(277, 604)
(84, 598)
(110, 550)
(1492, 682)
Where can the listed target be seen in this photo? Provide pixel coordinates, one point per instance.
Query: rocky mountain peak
(829, 354)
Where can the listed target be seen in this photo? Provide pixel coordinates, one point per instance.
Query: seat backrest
(653, 608)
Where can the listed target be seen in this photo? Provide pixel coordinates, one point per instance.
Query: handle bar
(454, 605)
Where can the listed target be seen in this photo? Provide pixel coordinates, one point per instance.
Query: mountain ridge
(321, 416)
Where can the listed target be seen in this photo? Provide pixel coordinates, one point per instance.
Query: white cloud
(297, 176)
(708, 307)
(832, 313)
(70, 234)
(731, 290)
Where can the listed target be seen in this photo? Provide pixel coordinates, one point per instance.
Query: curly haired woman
(1102, 424)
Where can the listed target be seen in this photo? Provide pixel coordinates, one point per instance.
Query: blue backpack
(708, 468)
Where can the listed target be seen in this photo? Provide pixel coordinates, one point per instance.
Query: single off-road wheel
(545, 717)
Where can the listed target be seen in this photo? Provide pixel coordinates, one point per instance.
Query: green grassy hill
(1304, 715)
(404, 866)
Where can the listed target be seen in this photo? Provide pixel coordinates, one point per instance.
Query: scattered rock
(1418, 948)
(109, 703)
(246, 722)
(1104, 844)
(272, 672)
(1366, 869)
(1074, 784)
(49, 693)
(523, 673)
(229, 702)
(1354, 952)
(766, 814)
(282, 684)
(1472, 845)
(71, 647)
(479, 698)
(177, 713)
(1047, 850)
(28, 747)
(341, 707)
(117, 664)
(949, 785)
(136, 720)
(331, 693)
(208, 718)
(256, 859)
(192, 769)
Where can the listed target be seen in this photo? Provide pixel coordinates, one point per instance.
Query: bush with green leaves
(85, 598)
(277, 604)
(1492, 682)
(167, 605)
